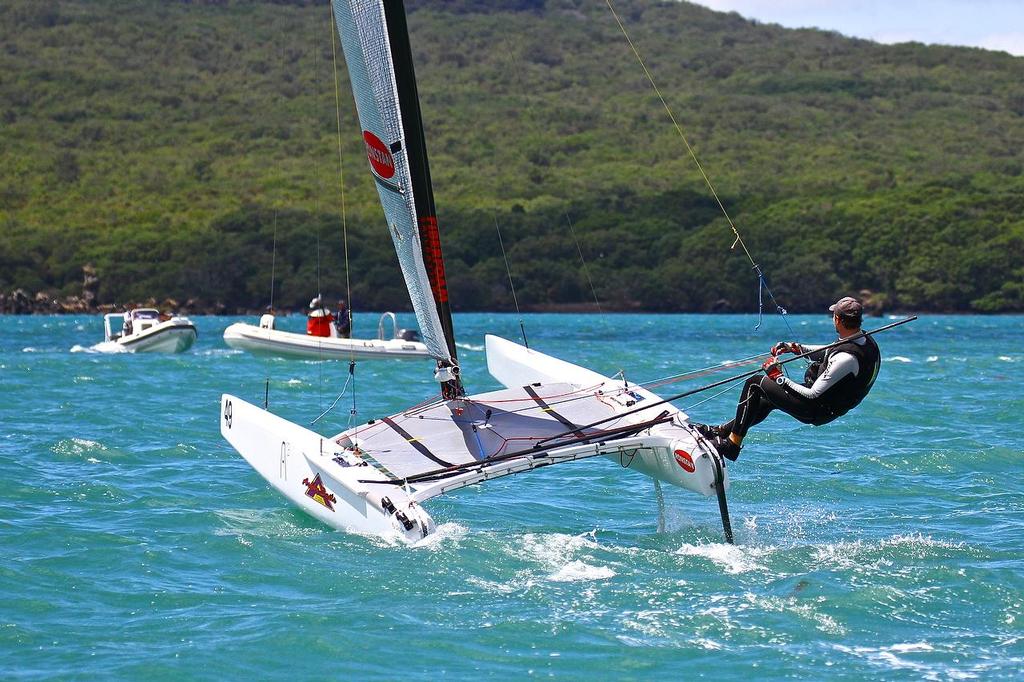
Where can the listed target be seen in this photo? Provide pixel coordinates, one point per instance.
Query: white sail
(364, 38)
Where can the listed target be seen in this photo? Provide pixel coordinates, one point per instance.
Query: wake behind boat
(267, 340)
(147, 330)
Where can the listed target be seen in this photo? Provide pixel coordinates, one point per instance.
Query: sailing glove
(787, 347)
(772, 368)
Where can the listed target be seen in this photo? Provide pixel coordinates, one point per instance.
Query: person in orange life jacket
(319, 319)
(835, 382)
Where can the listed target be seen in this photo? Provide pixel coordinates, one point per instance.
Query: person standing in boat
(319, 320)
(836, 381)
(342, 321)
(267, 321)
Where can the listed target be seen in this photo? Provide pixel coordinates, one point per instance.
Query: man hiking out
(835, 382)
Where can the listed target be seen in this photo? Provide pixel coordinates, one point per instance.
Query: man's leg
(753, 407)
(759, 397)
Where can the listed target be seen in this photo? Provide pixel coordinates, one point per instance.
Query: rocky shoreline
(21, 302)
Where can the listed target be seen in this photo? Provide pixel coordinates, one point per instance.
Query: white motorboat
(147, 330)
(266, 340)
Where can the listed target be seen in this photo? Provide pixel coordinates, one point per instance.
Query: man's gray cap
(847, 307)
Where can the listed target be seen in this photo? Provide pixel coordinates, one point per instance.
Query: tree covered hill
(170, 144)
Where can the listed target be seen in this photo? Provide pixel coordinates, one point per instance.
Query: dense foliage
(169, 143)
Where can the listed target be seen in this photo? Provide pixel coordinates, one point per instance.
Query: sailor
(342, 321)
(835, 382)
(319, 319)
(267, 321)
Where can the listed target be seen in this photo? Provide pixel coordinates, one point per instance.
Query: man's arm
(839, 365)
(798, 348)
(816, 352)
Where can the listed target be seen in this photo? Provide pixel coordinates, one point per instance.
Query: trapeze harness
(761, 395)
(849, 391)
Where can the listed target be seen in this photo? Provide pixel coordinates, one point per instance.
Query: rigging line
(711, 397)
(586, 272)
(736, 378)
(655, 383)
(511, 284)
(555, 400)
(273, 264)
(317, 188)
(341, 168)
(351, 377)
(536, 451)
(273, 277)
(344, 217)
(696, 161)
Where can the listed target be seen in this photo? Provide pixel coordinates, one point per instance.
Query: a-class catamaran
(373, 478)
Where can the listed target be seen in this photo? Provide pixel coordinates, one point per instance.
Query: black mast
(419, 172)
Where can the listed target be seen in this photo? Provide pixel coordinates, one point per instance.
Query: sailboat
(374, 478)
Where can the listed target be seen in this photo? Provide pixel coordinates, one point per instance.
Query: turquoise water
(888, 545)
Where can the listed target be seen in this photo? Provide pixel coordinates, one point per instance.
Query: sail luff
(419, 166)
(375, 42)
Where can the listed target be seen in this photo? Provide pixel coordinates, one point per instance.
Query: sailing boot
(726, 448)
(708, 431)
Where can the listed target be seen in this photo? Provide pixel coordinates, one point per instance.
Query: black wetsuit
(761, 395)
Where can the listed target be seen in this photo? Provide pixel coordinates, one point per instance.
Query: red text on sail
(381, 161)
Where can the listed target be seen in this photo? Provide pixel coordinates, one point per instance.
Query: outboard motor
(408, 335)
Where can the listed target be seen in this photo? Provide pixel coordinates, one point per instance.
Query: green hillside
(166, 143)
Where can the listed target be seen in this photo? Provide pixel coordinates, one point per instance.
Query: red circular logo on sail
(377, 152)
(684, 460)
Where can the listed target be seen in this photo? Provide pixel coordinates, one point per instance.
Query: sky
(990, 24)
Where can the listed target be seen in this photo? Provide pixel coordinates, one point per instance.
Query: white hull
(515, 365)
(291, 457)
(174, 336)
(278, 343)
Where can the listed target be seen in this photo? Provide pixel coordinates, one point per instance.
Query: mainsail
(375, 41)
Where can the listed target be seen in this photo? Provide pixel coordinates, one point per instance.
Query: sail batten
(375, 42)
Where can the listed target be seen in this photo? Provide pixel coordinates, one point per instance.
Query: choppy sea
(889, 545)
